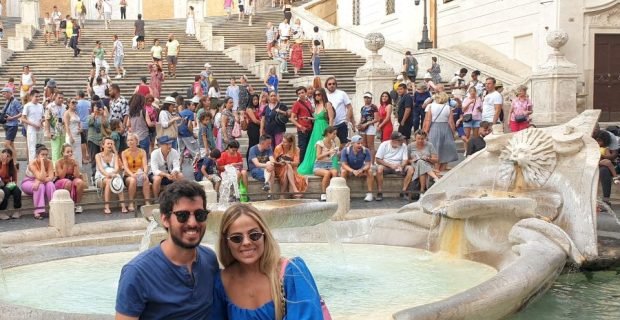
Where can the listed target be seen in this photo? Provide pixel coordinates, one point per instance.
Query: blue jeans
(145, 144)
(316, 65)
(418, 117)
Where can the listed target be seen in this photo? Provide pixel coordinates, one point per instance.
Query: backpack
(198, 169)
(63, 24)
(411, 70)
(190, 91)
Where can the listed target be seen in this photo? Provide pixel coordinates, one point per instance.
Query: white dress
(74, 127)
(190, 27)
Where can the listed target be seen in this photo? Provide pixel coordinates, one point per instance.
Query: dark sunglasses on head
(183, 215)
(238, 238)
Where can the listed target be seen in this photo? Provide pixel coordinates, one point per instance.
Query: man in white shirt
(392, 158)
(342, 108)
(32, 117)
(492, 103)
(118, 53)
(56, 18)
(172, 55)
(107, 12)
(165, 165)
(284, 29)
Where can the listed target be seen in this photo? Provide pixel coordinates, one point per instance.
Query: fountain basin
(354, 283)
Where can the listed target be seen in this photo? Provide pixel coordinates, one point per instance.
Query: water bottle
(243, 192)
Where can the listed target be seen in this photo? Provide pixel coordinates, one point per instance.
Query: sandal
(131, 209)
(107, 211)
(38, 217)
(124, 210)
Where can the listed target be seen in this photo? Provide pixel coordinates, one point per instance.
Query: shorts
(140, 39)
(172, 59)
(323, 165)
(139, 180)
(107, 15)
(241, 8)
(258, 174)
(156, 59)
(49, 28)
(118, 61)
(460, 131)
(371, 130)
(405, 131)
(10, 132)
(472, 124)
(387, 170)
(84, 135)
(164, 181)
(342, 132)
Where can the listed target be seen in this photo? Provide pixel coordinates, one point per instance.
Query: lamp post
(425, 43)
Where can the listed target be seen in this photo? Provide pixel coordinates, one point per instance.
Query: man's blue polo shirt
(355, 161)
(152, 287)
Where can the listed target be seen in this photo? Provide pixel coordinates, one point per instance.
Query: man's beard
(179, 242)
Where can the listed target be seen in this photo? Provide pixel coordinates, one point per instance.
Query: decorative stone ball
(557, 38)
(374, 41)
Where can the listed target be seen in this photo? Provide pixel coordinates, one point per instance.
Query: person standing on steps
(139, 31)
(190, 25)
(172, 55)
(241, 4)
(342, 108)
(228, 6)
(99, 56)
(27, 82)
(32, 118)
(123, 5)
(271, 38)
(12, 112)
(80, 12)
(118, 54)
(119, 109)
(250, 11)
(76, 34)
(301, 117)
(56, 18)
(107, 13)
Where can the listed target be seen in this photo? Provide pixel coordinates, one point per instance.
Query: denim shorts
(472, 124)
(323, 165)
(258, 174)
(10, 132)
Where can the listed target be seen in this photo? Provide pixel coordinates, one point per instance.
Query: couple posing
(180, 279)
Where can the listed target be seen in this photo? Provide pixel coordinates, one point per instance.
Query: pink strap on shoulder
(283, 264)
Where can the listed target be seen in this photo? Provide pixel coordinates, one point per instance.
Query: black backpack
(63, 24)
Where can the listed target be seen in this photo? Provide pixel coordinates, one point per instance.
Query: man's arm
(406, 116)
(383, 163)
(498, 110)
(613, 154)
(124, 317)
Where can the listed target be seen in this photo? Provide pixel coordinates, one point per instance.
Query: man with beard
(173, 280)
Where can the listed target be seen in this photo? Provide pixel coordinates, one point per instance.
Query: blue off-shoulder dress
(303, 301)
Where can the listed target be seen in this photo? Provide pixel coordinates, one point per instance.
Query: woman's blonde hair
(269, 262)
(290, 137)
(441, 98)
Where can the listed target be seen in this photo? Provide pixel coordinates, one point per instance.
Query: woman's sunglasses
(238, 238)
(183, 215)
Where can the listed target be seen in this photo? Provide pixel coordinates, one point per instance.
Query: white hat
(170, 100)
(428, 76)
(195, 99)
(367, 95)
(116, 185)
(207, 65)
(400, 77)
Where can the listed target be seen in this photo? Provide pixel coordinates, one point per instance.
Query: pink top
(227, 3)
(475, 109)
(520, 107)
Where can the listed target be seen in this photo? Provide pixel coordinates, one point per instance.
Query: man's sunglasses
(183, 215)
(238, 238)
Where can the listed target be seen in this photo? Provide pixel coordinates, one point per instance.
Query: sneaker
(368, 197)
(323, 197)
(379, 196)
(4, 216)
(118, 76)
(79, 209)
(266, 186)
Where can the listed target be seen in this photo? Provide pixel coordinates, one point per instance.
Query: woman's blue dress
(303, 301)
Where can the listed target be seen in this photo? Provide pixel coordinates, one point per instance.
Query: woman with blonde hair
(520, 110)
(287, 161)
(69, 177)
(440, 126)
(136, 168)
(257, 283)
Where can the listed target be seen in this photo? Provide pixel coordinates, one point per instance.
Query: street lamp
(425, 43)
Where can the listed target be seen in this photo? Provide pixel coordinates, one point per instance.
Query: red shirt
(303, 110)
(143, 90)
(226, 158)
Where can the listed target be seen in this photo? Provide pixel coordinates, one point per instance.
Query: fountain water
(146, 239)
(229, 179)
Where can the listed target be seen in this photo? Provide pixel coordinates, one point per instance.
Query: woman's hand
(36, 184)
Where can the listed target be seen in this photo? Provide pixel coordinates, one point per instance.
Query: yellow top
(78, 7)
(69, 30)
(134, 163)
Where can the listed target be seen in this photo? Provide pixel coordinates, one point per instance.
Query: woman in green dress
(323, 118)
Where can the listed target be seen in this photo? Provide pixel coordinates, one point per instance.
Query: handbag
(520, 118)
(468, 117)
(236, 131)
(324, 309)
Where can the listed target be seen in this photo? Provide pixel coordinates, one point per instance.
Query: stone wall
(64, 6)
(326, 10)
(158, 9)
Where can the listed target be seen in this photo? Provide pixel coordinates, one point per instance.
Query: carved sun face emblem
(532, 151)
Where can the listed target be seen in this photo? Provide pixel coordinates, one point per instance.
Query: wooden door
(607, 76)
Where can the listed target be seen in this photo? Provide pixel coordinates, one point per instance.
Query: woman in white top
(156, 51)
(439, 123)
(250, 10)
(48, 27)
(109, 166)
(27, 82)
(190, 26)
(297, 31)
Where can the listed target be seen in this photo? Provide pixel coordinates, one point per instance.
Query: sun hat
(195, 99)
(170, 100)
(164, 140)
(116, 184)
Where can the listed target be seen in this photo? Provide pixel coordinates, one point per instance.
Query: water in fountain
(146, 239)
(229, 179)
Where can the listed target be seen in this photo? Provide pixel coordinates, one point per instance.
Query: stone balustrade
(244, 54)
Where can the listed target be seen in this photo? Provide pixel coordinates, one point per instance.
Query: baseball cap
(367, 95)
(6, 90)
(397, 136)
(51, 83)
(356, 138)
